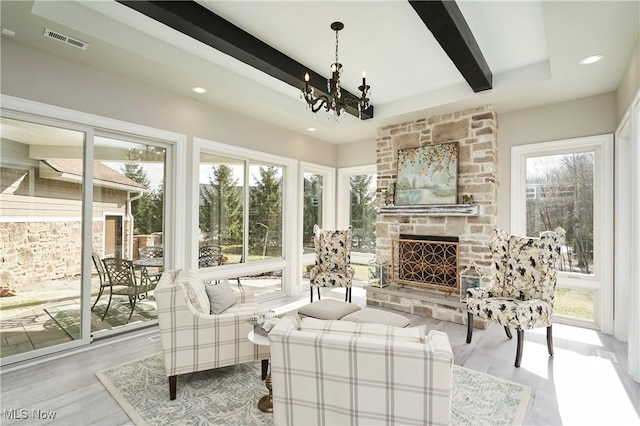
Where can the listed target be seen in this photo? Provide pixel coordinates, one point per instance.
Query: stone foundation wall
(34, 252)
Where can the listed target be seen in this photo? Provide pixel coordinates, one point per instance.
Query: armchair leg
(265, 368)
(519, 350)
(549, 341)
(508, 331)
(173, 385)
(469, 326)
(311, 289)
(347, 295)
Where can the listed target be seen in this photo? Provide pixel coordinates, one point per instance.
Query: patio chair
(150, 273)
(102, 276)
(124, 283)
(209, 256)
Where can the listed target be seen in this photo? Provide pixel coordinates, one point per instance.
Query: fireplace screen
(426, 261)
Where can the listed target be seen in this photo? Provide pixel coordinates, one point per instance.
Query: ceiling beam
(445, 21)
(198, 22)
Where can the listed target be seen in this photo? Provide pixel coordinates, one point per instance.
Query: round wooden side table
(266, 402)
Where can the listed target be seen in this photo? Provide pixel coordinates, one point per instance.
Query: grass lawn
(574, 303)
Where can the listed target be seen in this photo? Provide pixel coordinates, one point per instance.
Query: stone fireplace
(475, 131)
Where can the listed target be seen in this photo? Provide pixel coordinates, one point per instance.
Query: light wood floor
(584, 383)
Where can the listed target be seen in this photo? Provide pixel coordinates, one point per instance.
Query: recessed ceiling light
(199, 90)
(311, 129)
(591, 59)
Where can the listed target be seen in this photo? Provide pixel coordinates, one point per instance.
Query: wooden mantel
(431, 210)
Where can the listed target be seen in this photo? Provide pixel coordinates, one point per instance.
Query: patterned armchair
(195, 340)
(525, 283)
(333, 258)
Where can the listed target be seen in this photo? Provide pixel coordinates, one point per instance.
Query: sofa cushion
(194, 288)
(368, 330)
(377, 316)
(327, 309)
(221, 296)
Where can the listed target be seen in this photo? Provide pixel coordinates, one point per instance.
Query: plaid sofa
(340, 372)
(193, 339)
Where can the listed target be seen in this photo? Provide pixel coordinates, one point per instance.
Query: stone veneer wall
(36, 252)
(475, 130)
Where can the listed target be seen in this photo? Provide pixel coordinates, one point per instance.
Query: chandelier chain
(337, 47)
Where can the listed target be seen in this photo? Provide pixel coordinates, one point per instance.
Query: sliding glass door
(71, 198)
(41, 227)
(127, 224)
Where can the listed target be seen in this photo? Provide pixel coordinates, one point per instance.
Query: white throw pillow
(221, 296)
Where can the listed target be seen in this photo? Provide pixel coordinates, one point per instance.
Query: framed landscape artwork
(427, 175)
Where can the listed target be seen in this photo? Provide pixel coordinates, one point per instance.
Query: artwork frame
(427, 175)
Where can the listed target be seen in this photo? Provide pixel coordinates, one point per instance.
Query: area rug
(68, 316)
(230, 395)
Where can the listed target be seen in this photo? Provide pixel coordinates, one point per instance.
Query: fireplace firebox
(426, 261)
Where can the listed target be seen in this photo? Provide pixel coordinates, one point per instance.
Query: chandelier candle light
(334, 101)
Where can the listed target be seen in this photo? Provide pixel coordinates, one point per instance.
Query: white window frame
(627, 236)
(600, 281)
(344, 202)
(36, 112)
(328, 203)
(289, 263)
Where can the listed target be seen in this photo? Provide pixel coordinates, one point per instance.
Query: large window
(357, 208)
(318, 195)
(565, 186)
(241, 210)
(265, 212)
(221, 212)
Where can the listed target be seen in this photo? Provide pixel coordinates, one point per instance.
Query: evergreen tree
(363, 212)
(221, 207)
(312, 198)
(157, 216)
(265, 215)
(142, 209)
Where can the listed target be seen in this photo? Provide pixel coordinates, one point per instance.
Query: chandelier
(335, 101)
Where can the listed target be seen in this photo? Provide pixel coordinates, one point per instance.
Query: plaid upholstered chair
(524, 289)
(347, 373)
(333, 258)
(192, 338)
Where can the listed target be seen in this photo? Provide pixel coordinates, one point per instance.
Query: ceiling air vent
(65, 39)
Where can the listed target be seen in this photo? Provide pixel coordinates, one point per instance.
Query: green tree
(363, 212)
(312, 199)
(142, 208)
(221, 207)
(563, 198)
(265, 213)
(157, 213)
